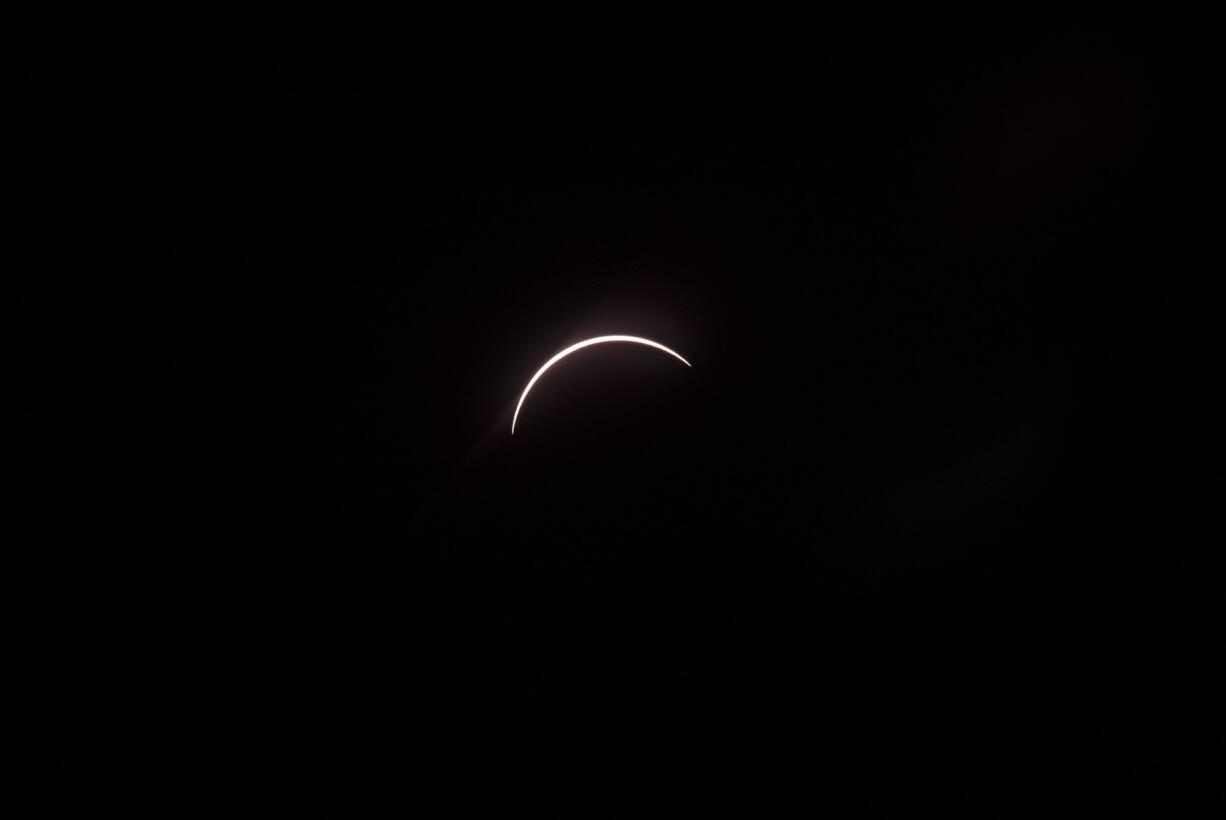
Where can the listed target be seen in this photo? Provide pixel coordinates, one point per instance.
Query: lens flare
(579, 346)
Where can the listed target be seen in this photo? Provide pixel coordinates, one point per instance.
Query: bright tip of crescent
(579, 346)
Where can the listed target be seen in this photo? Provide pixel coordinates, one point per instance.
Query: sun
(579, 346)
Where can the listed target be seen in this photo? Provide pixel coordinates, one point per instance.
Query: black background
(910, 474)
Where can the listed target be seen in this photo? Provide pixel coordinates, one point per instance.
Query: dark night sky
(901, 272)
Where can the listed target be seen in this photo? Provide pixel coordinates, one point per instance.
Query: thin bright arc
(579, 346)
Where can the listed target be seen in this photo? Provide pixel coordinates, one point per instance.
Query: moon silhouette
(579, 346)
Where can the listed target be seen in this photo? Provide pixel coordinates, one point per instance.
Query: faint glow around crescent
(579, 346)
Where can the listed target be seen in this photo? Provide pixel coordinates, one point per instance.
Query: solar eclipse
(579, 346)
